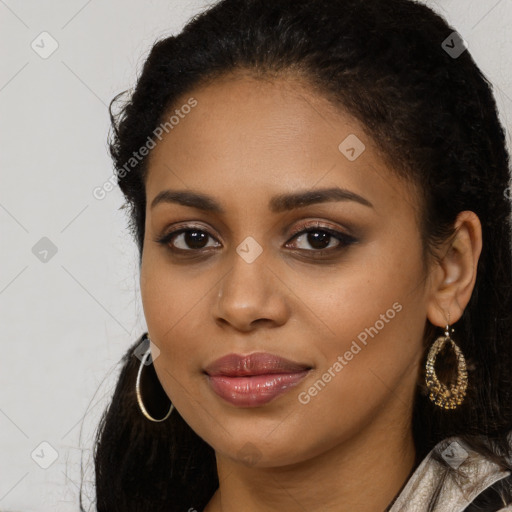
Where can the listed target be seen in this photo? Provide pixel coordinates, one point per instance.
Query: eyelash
(343, 239)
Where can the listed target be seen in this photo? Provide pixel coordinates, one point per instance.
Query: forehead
(249, 138)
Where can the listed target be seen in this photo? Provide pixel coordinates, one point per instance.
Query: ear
(453, 277)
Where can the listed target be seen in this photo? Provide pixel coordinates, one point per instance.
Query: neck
(365, 472)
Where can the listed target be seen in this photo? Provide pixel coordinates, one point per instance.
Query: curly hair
(433, 118)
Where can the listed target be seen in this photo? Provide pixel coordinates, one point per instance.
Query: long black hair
(433, 117)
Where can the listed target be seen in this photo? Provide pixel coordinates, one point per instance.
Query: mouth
(255, 379)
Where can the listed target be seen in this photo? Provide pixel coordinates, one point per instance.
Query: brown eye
(187, 240)
(193, 239)
(316, 238)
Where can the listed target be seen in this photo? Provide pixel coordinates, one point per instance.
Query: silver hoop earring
(138, 393)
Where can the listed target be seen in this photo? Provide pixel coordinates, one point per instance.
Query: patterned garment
(477, 474)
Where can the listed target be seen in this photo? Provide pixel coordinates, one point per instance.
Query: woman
(318, 190)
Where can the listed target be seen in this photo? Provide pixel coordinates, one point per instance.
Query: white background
(66, 323)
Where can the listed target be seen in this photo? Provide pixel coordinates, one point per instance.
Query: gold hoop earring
(137, 389)
(442, 395)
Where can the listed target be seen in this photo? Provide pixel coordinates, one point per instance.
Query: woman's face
(346, 302)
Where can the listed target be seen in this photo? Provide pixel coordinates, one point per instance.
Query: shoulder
(454, 477)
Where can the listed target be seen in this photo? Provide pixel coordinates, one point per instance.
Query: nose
(251, 294)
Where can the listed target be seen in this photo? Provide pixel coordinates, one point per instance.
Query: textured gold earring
(442, 395)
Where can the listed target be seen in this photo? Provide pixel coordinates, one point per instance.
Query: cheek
(370, 317)
(376, 292)
(175, 309)
(170, 296)
(369, 357)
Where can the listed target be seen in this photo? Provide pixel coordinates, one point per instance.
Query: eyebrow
(277, 204)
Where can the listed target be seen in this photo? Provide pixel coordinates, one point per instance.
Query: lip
(254, 379)
(258, 363)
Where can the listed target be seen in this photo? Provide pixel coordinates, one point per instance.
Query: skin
(351, 447)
